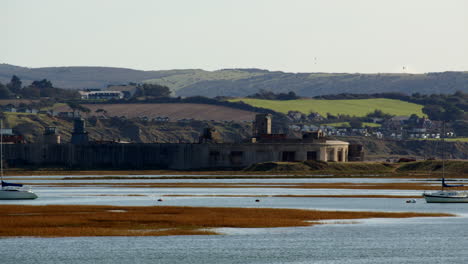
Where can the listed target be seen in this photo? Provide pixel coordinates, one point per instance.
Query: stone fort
(206, 154)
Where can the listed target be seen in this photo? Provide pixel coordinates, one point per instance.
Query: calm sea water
(372, 241)
(415, 240)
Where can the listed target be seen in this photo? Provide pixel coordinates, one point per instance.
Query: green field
(358, 107)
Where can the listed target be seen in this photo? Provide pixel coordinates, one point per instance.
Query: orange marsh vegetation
(89, 220)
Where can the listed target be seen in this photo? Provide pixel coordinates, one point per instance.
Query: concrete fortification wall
(207, 154)
(169, 156)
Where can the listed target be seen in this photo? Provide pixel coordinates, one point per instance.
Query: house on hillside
(161, 119)
(101, 95)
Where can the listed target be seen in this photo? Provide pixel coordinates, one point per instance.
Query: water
(372, 241)
(413, 240)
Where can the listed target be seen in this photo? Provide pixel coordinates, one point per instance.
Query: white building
(106, 95)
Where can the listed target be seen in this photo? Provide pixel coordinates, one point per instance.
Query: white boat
(11, 191)
(444, 196)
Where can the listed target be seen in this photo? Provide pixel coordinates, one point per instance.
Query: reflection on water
(416, 240)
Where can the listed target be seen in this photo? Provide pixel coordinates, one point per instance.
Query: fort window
(236, 157)
(311, 155)
(289, 156)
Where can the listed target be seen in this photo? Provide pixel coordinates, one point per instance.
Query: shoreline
(224, 174)
(297, 169)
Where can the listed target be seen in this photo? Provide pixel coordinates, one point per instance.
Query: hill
(32, 127)
(175, 111)
(243, 82)
(81, 77)
(358, 107)
(314, 84)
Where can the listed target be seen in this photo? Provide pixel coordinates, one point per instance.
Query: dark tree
(4, 92)
(379, 114)
(15, 84)
(269, 95)
(31, 92)
(461, 128)
(452, 113)
(434, 112)
(44, 83)
(330, 116)
(36, 89)
(355, 124)
(153, 90)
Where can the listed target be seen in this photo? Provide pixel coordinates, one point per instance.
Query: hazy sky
(289, 35)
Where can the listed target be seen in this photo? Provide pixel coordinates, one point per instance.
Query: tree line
(36, 90)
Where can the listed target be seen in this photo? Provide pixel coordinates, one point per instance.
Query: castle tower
(262, 125)
(79, 134)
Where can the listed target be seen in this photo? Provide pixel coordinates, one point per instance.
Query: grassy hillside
(359, 107)
(32, 126)
(79, 77)
(313, 84)
(243, 82)
(184, 79)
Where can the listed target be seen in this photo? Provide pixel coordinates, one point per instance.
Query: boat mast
(443, 155)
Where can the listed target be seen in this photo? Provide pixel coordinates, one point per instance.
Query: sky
(366, 36)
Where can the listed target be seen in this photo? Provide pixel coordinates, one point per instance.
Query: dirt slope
(173, 111)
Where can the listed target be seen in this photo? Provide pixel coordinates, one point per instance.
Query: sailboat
(11, 191)
(444, 196)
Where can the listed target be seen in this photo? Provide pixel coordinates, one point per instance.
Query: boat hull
(438, 199)
(16, 195)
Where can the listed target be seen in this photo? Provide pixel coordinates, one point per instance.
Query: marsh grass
(87, 220)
